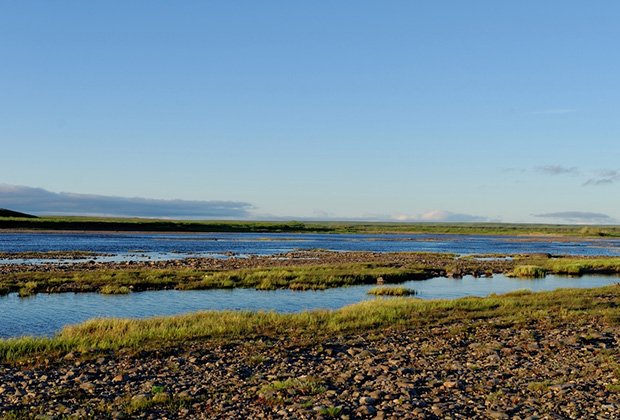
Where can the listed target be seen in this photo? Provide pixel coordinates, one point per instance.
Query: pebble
(279, 378)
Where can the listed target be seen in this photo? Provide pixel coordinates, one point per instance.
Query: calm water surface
(44, 314)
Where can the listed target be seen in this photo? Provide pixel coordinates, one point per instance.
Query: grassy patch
(613, 388)
(533, 267)
(113, 289)
(330, 411)
(539, 386)
(306, 386)
(578, 266)
(528, 271)
(269, 278)
(391, 291)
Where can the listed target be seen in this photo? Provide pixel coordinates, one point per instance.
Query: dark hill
(11, 213)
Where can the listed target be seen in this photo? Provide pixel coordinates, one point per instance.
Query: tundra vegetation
(12, 220)
(109, 281)
(391, 291)
(308, 273)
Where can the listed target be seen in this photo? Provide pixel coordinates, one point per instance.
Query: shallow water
(44, 314)
(125, 246)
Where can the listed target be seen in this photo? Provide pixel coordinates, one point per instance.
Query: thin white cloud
(42, 202)
(322, 214)
(557, 170)
(578, 217)
(597, 182)
(604, 177)
(439, 216)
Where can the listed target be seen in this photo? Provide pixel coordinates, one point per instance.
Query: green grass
(155, 225)
(578, 266)
(330, 411)
(539, 386)
(539, 267)
(615, 388)
(374, 315)
(391, 291)
(528, 271)
(124, 281)
(111, 289)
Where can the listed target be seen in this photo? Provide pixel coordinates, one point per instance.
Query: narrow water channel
(45, 314)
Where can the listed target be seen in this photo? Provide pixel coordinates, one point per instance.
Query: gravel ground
(457, 371)
(437, 262)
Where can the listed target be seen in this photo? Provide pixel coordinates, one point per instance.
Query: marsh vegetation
(516, 308)
(262, 278)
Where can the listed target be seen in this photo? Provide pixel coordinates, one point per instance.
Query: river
(44, 314)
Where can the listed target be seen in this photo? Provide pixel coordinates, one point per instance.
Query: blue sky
(398, 110)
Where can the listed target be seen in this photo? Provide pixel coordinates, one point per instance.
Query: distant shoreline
(133, 225)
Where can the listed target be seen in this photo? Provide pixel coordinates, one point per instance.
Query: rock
(87, 386)
(123, 377)
(496, 414)
(377, 394)
(368, 401)
(451, 384)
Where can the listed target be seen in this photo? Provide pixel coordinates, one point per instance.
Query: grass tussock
(528, 271)
(566, 304)
(113, 289)
(391, 291)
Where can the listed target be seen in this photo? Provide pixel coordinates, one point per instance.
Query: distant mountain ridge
(11, 213)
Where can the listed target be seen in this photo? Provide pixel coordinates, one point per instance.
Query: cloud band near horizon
(39, 201)
(578, 217)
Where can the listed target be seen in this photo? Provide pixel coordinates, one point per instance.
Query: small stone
(498, 414)
(367, 409)
(140, 397)
(368, 401)
(377, 394)
(72, 355)
(87, 386)
(451, 384)
(123, 377)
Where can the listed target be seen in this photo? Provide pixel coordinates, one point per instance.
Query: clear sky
(376, 110)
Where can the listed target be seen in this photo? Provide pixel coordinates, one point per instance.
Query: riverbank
(521, 355)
